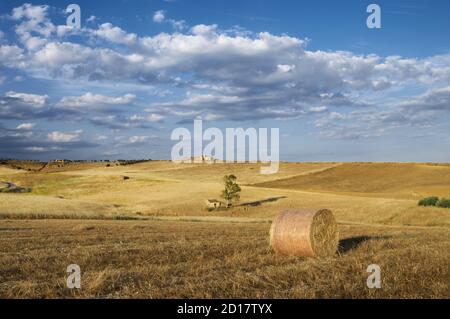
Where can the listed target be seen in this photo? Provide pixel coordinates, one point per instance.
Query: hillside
(387, 180)
(136, 237)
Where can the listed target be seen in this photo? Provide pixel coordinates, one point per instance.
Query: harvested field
(151, 236)
(164, 259)
(387, 180)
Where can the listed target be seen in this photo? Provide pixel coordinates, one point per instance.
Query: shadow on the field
(348, 244)
(260, 202)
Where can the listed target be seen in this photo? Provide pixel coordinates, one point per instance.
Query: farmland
(150, 236)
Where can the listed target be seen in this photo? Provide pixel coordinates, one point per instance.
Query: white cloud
(42, 149)
(202, 29)
(11, 55)
(115, 34)
(33, 100)
(177, 24)
(138, 139)
(26, 126)
(230, 74)
(34, 20)
(158, 16)
(100, 137)
(418, 112)
(435, 99)
(318, 109)
(61, 137)
(119, 121)
(94, 100)
(24, 106)
(37, 149)
(245, 62)
(31, 12)
(155, 118)
(285, 68)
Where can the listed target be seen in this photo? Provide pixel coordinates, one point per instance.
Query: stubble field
(151, 236)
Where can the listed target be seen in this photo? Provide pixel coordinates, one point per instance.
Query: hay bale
(307, 233)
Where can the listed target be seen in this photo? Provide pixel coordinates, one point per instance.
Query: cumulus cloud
(318, 109)
(100, 137)
(26, 126)
(138, 139)
(263, 71)
(94, 100)
(11, 56)
(417, 112)
(120, 121)
(155, 117)
(36, 13)
(16, 142)
(42, 149)
(15, 105)
(202, 29)
(221, 75)
(115, 34)
(436, 99)
(159, 16)
(91, 19)
(246, 62)
(178, 24)
(62, 137)
(34, 25)
(33, 100)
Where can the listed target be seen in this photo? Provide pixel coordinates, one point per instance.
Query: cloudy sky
(117, 87)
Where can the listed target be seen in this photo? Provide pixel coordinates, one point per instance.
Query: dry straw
(307, 233)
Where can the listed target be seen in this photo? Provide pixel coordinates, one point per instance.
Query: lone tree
(232, 190)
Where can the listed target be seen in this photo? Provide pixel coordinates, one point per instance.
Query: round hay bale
(307, 233)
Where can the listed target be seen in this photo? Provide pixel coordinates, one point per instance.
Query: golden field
(151, 237)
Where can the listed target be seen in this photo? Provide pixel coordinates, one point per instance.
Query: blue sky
(136, 70)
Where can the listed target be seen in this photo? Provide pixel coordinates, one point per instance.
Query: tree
(429, 201)
(232, 189)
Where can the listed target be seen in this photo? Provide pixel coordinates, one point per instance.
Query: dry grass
(387, 180)
(179, 249)
(24, 206)
(163, 188)
(155, 259)
(50, 167)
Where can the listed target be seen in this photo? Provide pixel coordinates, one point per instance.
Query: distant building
(198, 160)
(213, 203)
